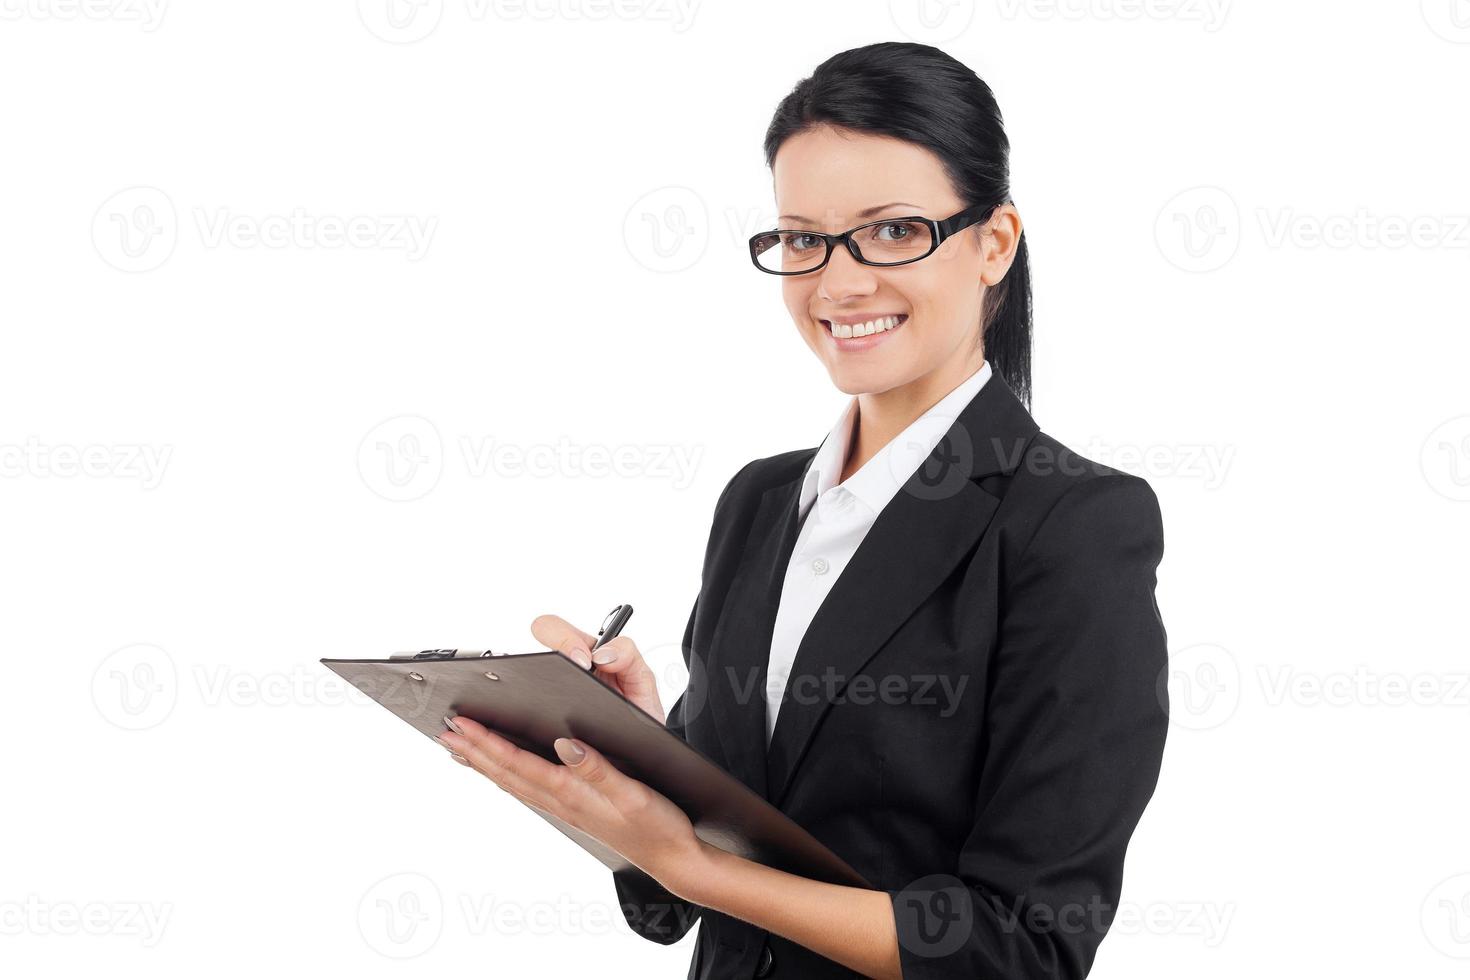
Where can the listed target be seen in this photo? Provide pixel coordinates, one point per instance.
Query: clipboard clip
(444, 654)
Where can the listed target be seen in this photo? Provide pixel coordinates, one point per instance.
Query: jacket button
(767, 964)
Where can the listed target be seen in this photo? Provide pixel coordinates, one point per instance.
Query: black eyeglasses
(789, 252)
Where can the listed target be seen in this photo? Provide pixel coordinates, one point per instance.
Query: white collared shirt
(843, 514)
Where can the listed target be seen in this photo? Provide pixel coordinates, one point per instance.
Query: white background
(197, 503)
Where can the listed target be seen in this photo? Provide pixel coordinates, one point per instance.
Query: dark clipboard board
(535, 698)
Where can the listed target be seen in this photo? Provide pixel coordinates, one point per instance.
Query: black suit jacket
(974, 719)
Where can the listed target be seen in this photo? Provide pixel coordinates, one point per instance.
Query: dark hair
(918, 93)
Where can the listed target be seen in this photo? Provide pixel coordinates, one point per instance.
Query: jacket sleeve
(652, 911)
(1074, 736)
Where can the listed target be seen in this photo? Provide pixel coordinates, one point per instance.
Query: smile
(861, 336)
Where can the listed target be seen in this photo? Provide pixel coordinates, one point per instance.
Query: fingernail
(604, 656)
(571, 753)
(449, 724)
(581, 656)
(459, 758)
(440, 740)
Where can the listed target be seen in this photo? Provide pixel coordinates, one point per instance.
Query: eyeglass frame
(939, 231)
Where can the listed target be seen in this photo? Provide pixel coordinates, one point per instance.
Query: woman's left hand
(587, 792)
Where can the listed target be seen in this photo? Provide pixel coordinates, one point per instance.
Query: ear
(1000, 238)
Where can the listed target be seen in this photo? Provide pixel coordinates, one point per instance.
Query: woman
(954, 613)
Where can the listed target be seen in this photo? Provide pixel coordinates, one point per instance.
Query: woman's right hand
(617, 664)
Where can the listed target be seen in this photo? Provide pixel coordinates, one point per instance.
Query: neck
(882, 415)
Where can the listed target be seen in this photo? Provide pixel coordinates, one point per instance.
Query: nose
(845, 276)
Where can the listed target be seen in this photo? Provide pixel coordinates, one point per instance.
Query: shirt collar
(880, 478)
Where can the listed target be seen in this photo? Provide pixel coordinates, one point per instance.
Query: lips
(855, 328)
(877, 332)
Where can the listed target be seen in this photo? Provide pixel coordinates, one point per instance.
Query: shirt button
(820, 566)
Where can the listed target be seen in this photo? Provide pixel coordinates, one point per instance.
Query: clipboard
(532, 699)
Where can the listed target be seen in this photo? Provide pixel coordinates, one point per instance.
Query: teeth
(845, 330)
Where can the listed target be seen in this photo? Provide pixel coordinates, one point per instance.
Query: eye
(903, 230)
(798, 241)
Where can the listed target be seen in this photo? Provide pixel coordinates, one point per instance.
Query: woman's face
(829, 180)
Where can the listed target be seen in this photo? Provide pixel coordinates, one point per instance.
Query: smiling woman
(952, 612)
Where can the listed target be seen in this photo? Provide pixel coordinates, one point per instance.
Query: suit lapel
(920, 536)
(741, 646)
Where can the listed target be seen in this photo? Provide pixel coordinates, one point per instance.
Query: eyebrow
(865, 213)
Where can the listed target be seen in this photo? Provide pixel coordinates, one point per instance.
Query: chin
(863, 382)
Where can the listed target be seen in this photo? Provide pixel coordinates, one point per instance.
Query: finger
(560, 635)
(592, 769)
(509, 766)
(620, 658)
(533, 804)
